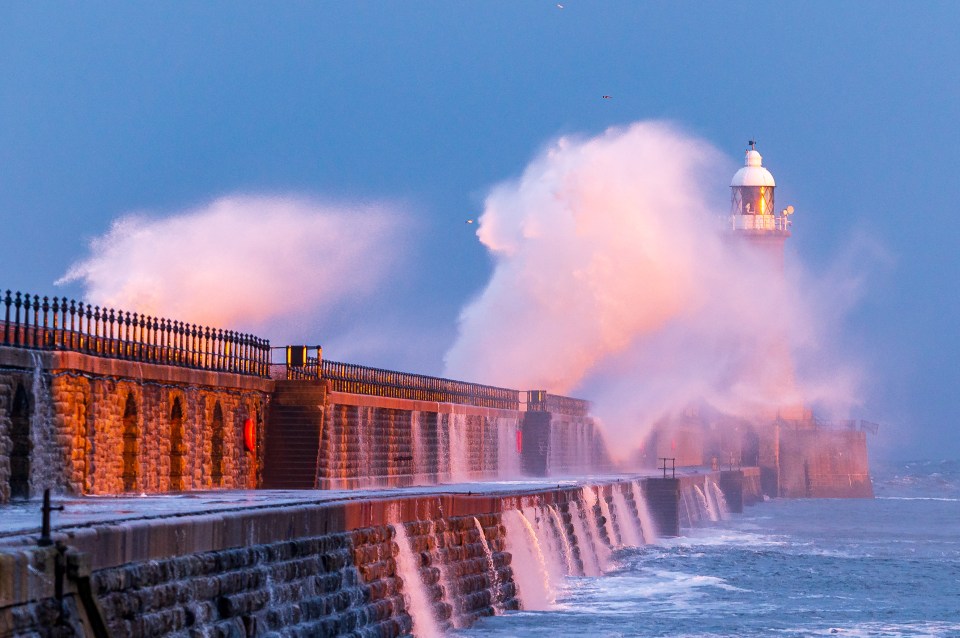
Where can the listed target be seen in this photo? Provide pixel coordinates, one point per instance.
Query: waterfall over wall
(374, 445)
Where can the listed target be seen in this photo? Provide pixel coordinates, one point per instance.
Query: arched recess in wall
(216, 446)
(131, 442)
(22, 445)
(176, 446)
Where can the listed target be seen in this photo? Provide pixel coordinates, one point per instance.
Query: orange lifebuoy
(250, 435)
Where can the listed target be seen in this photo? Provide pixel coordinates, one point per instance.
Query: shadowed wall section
(321, 438)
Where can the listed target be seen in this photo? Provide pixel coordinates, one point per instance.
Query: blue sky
(107, 108)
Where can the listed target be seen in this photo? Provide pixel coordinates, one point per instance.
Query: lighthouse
(753, 212)
(762, 229)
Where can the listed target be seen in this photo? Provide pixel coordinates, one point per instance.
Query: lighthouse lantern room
(752, 203)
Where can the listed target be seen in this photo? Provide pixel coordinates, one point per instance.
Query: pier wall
(321, 438)
(78, 423)
(824, 464)
(83, 424)
(308, 569)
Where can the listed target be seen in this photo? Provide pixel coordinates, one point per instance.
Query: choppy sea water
(819, 567)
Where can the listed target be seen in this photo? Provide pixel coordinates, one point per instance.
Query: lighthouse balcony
(774, 223)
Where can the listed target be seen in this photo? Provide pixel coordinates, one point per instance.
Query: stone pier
(293, 563)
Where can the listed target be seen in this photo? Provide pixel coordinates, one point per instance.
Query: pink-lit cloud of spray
(615, 280)
(273, 265)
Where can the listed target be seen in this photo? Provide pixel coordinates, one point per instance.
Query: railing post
(207, 350)
(194, 346)
(142, 337)
(7, 300)
(182, 343)
(83, 340)
(164, 334)
(46, 313)
(145, 323)
(97, 331)
(35, 341)
(18, 340)
(55, 307)
(151, 339)
(128, 343)
(111, 338)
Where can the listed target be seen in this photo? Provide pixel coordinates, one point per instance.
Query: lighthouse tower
(753, 214)
(755, 221)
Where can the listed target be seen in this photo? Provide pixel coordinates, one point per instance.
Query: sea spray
(45, 459)
(450, 594)
(629, 533)
(364, 423)
(703, 504)
(711, 495)
(588, 554)
(593, 528)
(688, 509)
(702, 500)
(459, 449)
(721, 501)
(615, 541)
(415, 593)
(496, 597)
(508, 456)
(443, 447)
(561, 532)
(529, 567)
(549, 545)
(419, 453)
(647, 524)
(590, 221)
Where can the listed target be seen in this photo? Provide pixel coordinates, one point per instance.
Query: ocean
(889, 566)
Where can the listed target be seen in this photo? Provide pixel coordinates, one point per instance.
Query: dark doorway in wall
(131, 436)
(22, 445)
(176, 446)
(216, 446)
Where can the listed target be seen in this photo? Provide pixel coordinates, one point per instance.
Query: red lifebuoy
(250, 435)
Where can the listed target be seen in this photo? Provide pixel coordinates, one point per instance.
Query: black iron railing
(58, 323)
(357, 379)
(543, 401)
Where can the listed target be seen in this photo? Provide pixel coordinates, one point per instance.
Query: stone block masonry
(308, 569)
(81, 424)
(320, 438)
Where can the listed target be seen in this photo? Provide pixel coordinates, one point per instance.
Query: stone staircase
(292, 441)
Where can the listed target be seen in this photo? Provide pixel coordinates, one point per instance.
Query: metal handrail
(358, 379)
(58, 323)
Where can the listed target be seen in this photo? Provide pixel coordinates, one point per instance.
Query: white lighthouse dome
(753, 173)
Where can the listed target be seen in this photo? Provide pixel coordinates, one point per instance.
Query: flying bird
(607, 97)
(559, 6)
(469, 221)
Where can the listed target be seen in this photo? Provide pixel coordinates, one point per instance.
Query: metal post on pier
(45, 540)
(673, 466)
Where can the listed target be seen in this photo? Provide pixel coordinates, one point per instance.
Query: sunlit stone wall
(99, 426)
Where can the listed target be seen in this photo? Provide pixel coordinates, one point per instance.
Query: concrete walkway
(21, 520)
